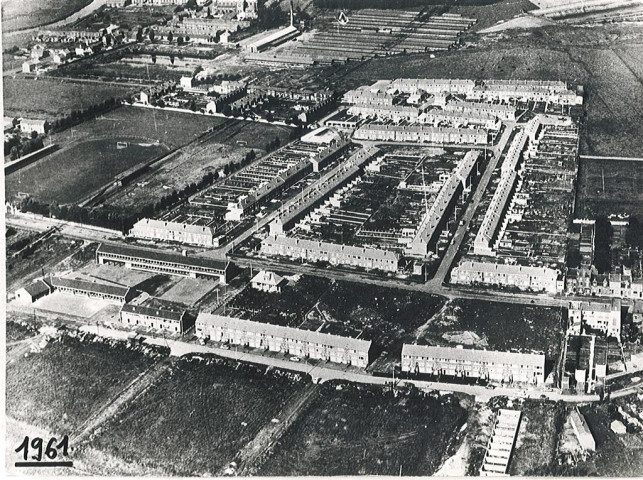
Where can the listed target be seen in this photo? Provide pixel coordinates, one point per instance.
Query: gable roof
(491, 356)
(165, 312)
(37, 288)
(87, 286)
(268, 278)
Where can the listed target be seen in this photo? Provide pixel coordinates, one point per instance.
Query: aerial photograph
(303, 238)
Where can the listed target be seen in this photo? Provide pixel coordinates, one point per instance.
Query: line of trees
(78, 116)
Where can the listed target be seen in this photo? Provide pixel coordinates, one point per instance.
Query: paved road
(599, 157)
(41, 224)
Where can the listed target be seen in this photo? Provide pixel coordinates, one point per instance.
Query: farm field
(350, 429)
(204, 414)
(500, 326)
(21, 14)
(60, 387)
(69, 175)
(623, 192)
(49, 98)
(606, 61)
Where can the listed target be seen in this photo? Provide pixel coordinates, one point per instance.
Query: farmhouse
(291, 341)
(173, 232)
(32, 292)
(162, 262)
(268, 282)
(487, 365)
(39, 126)
(160, 315)
(592, 316)
(86, 288)
(315, 251)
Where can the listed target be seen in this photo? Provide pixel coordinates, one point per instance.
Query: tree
(152, 35)
(169, 38)
(193, 106)
(34, 134)
(179, 40)
(602, 239)
(139, 35)
(14, 154)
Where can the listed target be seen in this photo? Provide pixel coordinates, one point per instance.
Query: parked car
(295, 359)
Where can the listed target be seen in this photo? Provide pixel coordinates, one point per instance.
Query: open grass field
(362, 430)
(48, 98)
(503, 326)
(60, 387)
(606, 61)
(171, 129)
(537, 441)
(489, 13)
(253, 135)
(621, 192)
(189, 291)
(21, 14)
(196, 418)
(68, 175)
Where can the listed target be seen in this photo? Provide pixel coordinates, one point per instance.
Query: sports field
(49, 98)
(70, 174)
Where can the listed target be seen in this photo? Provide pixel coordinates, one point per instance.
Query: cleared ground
(71, 304)
(49, 98)
(502, 326)
(608, 187)
(362, 430)
(204, 415)
(188, 291)
(60, 387)
(70, 174)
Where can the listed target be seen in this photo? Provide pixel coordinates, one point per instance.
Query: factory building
(162, 262)
(316, 251)
(291, 341)
(173, 232)
(421, 134)
(435, 218)
(595, 316)
(538, 279)
(493, 366)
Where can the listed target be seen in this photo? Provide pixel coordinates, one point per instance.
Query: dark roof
(37, 288)
(88, 286)
(165, 313)
(162, 256)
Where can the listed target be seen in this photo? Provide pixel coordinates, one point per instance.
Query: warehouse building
(173, 232)
(421, 134)
(595, 316)
(291, 341)
(493, 366)
(86, 288)
(316, 251)
(162, 262)
(537, 279)
(157, 315)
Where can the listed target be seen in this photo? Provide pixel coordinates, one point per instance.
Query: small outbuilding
(33, 291)
(618, 427)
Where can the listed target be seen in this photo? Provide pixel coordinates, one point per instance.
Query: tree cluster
(78, 116)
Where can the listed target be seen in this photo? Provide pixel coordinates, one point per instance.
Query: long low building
(503, 112)
(506, 367)
(538, 279)
(435, 218)
(148, 228)
(85, 288)
(160, 316)
(316, 251)
(292, 341)
(422, 134)
(162, 262)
